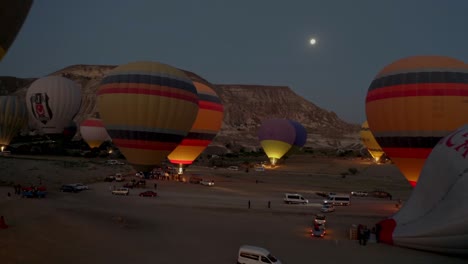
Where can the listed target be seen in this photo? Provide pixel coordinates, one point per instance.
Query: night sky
(245, 41)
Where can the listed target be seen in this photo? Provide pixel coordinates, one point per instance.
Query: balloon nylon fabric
(206, 126)
(435, 217)
(414, 102)
(12, 16)
(13, 117)
(147, 109)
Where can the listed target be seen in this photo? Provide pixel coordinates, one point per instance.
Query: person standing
(366, 235)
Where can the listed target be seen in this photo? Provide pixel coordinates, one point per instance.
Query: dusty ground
(191, 223)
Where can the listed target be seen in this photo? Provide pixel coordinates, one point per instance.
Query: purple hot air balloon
(300, 140)
(276, 137)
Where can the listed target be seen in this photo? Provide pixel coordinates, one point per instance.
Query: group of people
(363, 234)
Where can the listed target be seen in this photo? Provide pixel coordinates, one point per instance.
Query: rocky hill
(245, 107)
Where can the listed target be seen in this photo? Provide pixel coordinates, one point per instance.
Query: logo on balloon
(459, 145)
(40, 107)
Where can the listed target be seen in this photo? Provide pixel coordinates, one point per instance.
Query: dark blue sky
(246, 41)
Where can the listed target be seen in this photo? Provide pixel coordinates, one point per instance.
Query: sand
(191, 223)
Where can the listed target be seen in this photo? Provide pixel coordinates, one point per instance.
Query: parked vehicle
(381, 194)
(327, 208)
(121, 191)
(69, 188)
(33, 192)
(235, 168)
(320, 219)
(148, 194)
(110, 178)
(114, 162)
(195, 180)
(359, 193)
(119, 177)
(253, 255)
(207, 182)
(291, 198)
(80, 186)
(338, 199)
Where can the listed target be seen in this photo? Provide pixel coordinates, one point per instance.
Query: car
(195, 180)
(114, 162)
(121, 191)
(69, 188)
(110, 178)
(233, 168)
(148, 194)
(327, 208)
(381, 194)
(259, 169)
(80, 186)
(119, 177)
(359, 193)
(318, 230)
(320, 219)
(129, 185)
(207, 182)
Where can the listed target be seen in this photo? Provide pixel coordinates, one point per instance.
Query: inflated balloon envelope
(435, 217)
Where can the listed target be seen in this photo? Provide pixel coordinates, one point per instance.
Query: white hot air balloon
(435, 217)
(53, 102)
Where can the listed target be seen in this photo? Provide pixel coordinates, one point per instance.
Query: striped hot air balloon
(13, 117)
(12, 16)
(206, 125)
(413, 103)
(368, 140)
(276, 137)
(147, 108)
(93, 132)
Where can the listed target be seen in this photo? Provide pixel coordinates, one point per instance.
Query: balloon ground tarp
(435, 217)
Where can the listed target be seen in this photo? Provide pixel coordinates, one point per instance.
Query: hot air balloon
(276, 137)
(204, 129)
(435, 217)
(93, 132)
(53, 102)
(368, 140)
(147, 108)
(300, 139)
(12, 16)
(414, 102)
(13, 117)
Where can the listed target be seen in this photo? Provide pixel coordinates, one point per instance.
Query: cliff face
(245, 107)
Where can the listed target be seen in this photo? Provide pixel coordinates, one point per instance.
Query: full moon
(312, 41)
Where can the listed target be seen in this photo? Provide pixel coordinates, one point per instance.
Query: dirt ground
(191, 223)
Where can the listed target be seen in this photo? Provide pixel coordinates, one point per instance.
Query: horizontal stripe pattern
(144, 136)
(418, 63)
(145, 144)
(419, 77)
(149, 92)
(92, 122)
(407, 142)
(408, 153)
(426, 89)
(150, 79)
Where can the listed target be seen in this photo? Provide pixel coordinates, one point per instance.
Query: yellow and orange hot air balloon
(12, 16)
(413, 103)
(147, 108)
(204, 129)
(368, 140)
(13, 117)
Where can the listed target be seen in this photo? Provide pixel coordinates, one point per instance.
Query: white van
(254, 255)
(338, 199)
(294, 198)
